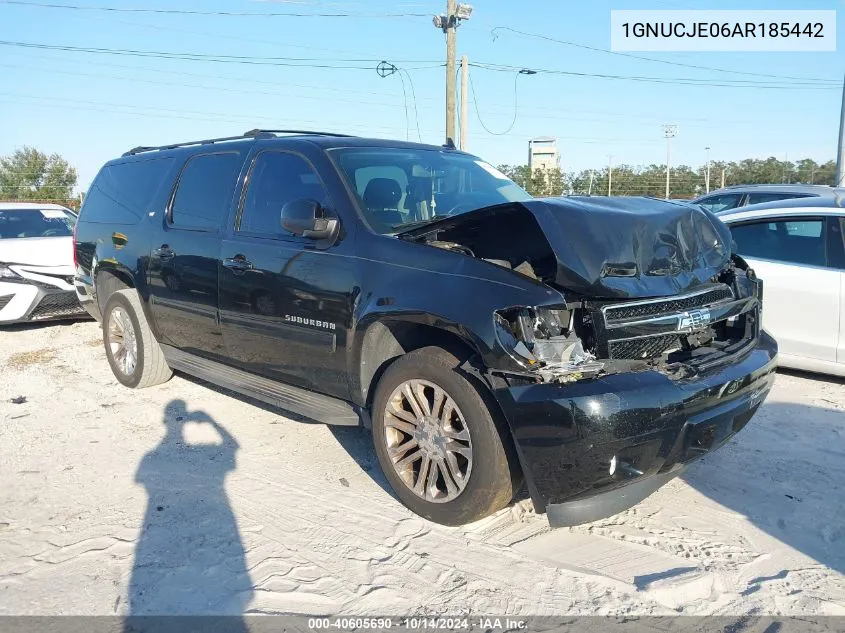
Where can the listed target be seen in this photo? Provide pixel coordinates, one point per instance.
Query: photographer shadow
(189, 558)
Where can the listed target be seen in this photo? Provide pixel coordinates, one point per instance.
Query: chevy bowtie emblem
(694, 320)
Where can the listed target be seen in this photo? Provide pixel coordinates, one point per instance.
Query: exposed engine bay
(642, 288)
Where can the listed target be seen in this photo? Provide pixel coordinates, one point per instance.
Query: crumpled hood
(37, 251)
(597, 247)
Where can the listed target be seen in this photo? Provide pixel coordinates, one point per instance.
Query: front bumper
(596, 447)
(21, 302)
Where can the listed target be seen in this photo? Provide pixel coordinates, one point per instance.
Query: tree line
(34, 176)
(684, 181)
(31, 175)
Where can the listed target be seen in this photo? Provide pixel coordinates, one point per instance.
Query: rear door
(801, 292)
(183, 261)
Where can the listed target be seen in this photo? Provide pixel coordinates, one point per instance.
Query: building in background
(543, 154)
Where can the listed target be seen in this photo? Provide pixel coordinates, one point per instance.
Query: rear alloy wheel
(134, 354)
(122, 341)
(438, 441)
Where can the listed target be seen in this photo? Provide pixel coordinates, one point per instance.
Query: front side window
(205, 190)
(723, 202)
(276, 179)
(20, 223)
(396, 188)
(790, 241)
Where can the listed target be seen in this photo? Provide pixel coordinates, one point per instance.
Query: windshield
(397, 188)
(17, 223)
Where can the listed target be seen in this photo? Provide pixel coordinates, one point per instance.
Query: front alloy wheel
(428, 440)
(440, 439)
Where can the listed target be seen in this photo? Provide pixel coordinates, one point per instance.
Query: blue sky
(91, 107)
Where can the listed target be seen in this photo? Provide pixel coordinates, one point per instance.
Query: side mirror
(306, 218)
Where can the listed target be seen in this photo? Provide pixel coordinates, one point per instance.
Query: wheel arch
(383, 340)
(110, 279)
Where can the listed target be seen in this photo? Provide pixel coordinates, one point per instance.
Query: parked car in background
(798, 248)
(483, 336)
(744, 195)
(36, 263)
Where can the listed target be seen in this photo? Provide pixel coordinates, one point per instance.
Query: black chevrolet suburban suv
(592, 347)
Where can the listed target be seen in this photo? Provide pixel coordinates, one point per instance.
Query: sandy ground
(184, 499)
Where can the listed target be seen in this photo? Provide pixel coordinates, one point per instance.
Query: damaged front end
(680, 335)
(646, 354)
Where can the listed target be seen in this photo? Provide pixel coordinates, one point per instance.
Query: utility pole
(451, 25)
(707, 173)
(723, 178)
(670, 132)
(840, 162)
(464, 90)
(448, 24)
(590, 188)
(609, 173)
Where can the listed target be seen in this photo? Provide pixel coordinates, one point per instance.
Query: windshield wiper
(411, 225)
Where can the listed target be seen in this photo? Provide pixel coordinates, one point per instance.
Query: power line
(651, 59)
(515, 106)
(240, 14)
(689, 81)
(303, 62)
(414, 97)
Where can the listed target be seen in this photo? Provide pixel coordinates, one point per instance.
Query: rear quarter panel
(116, 226)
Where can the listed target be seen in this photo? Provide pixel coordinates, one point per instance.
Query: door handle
(238, 263)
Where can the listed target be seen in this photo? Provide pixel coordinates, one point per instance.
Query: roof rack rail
(260, 132)
(251, 134)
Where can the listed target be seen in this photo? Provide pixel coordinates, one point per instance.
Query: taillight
(75, 263)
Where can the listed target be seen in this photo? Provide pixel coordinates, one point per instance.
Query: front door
(184, 255)
(801, 304)
(285, 305)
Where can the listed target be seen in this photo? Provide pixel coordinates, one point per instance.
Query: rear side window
(122, 192)
(205, 191)
(759, 198)
(789, 241)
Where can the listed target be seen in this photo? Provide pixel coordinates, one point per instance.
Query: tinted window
(205, 190)
(15, 223)
(795, 242)
(759, 198)
(276, 179)
(122, 192)
(722, 202)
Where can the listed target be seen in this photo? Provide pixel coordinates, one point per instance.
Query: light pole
(707, 173)
(670, 132)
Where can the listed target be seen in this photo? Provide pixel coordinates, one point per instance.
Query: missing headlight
(544, 340)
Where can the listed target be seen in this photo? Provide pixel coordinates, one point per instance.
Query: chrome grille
(644, 309)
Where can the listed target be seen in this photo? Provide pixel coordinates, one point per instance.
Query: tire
(123, 323)
(488, 476)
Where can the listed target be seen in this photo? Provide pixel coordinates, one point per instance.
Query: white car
(797, 247)
(36, 263)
